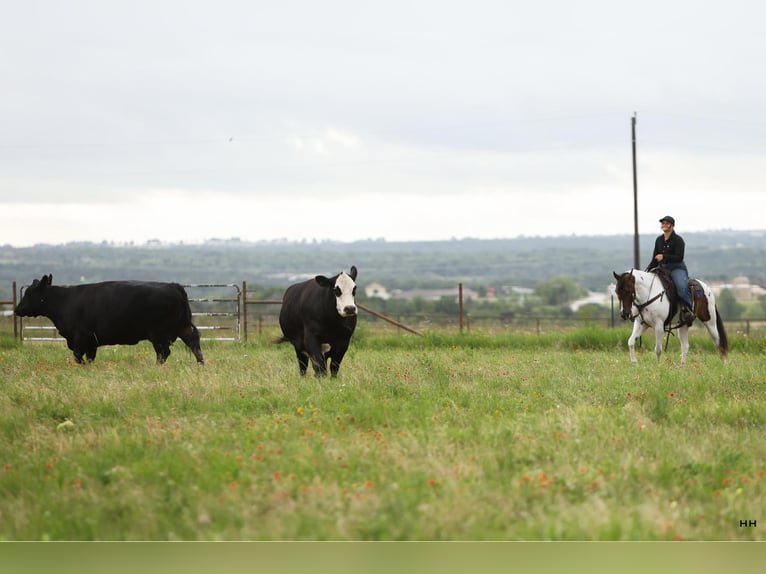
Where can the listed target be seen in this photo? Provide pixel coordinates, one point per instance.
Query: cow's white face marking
(345, 289)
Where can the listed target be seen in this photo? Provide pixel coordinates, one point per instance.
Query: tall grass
(460, 437)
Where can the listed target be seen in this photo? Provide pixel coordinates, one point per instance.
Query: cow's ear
(322, 281)
(46, 280)
(352, 274)
(34, 284)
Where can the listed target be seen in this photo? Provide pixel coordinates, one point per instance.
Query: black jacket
(672, 250)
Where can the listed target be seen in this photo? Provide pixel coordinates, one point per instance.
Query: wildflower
(432, 482)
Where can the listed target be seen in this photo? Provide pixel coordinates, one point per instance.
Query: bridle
(639, 306)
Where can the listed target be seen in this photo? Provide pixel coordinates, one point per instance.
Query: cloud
(325, 142)
(292, 107)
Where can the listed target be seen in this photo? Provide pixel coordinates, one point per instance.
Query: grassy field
(444, 437)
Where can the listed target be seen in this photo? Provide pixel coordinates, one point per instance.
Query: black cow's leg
(78, 354)
(163, 351)
(91, 354)
(319, 363)
(314, 352)
(336, 357)
(190, 336)
(303, 362)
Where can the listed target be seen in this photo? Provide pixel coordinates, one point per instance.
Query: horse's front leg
(638, 329)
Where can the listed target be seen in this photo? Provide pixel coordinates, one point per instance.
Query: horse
(645, 300)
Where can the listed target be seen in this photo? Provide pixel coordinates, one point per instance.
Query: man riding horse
(669, 255)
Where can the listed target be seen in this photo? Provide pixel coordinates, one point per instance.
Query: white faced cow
(114, 313)
(318, 317)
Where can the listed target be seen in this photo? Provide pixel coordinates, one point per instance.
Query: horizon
(381, 240)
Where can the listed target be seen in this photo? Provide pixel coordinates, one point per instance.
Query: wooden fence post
(244, 310)
(15, 319)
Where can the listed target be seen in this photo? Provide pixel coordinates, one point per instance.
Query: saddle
(699, 301)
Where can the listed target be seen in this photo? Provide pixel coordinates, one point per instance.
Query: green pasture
(441, 437)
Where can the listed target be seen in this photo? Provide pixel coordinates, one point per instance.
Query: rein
(643, 306)
(640, 307)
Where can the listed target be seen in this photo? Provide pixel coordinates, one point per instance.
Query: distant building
(376, 290)
(435, 294)
(741, 288)
(593, 298)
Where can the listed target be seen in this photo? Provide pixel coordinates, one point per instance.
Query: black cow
(318, 317)
(114, 313)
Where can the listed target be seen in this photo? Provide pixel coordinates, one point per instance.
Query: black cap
(669, 219)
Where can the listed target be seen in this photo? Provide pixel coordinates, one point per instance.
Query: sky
(184, 120)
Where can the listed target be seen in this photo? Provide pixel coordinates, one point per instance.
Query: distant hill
(525, 261)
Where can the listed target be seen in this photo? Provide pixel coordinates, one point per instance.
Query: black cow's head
(344, 287)
(32, 303)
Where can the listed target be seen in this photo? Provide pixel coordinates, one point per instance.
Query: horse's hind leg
(659, 331)
(683, 336)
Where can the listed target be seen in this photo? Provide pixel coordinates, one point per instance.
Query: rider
(669, 253)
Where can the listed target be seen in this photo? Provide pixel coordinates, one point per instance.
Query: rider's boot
(686, 316)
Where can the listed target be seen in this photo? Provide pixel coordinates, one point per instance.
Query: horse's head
(626, 292)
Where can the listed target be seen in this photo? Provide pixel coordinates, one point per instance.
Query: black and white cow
(318, 317)
(114, 313)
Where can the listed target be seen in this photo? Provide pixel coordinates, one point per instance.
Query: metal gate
(216, 311)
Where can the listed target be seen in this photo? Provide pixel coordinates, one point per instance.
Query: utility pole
(636, 256)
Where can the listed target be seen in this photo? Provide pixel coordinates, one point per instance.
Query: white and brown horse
(645, 300)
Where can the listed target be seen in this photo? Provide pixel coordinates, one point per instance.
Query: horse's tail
(723, 340)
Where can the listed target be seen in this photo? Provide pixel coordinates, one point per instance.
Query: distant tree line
(559, 269)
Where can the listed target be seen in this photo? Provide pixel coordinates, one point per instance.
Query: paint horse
(649, 301)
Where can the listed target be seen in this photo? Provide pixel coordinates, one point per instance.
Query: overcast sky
(184, 120)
